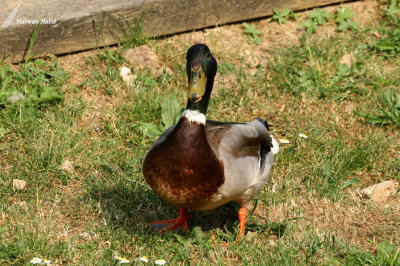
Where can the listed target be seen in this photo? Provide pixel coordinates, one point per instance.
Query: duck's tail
(275, 145)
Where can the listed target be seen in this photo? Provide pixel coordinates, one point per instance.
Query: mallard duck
(202, 164)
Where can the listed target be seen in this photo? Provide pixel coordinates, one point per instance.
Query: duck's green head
(201, 68)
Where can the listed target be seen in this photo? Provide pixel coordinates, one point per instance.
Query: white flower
(302, 135)
(144, 258)
(160, 262)
(46, 261)
(285, 141)
(36, 260)
(121, 259)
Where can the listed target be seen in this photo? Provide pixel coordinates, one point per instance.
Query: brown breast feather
(183, 170)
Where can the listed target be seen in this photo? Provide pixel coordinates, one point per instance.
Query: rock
(126, 75)
(19, 184)
(380, 192)
(67, 166)
(347, 59)
(142, 57)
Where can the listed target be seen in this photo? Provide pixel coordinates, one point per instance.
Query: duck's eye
(208, 55)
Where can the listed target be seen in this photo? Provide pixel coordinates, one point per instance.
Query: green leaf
(388, 112)
(149, 130)
(294, 15)
(285, 12)
(342, 69)
(249, 28)
(393, 12)
(245, 25)
(349, 183)
(50, 95)
(388, 97)
(280, 16)
(326, 172)
(169, 110)
(388, 44)
(319, 15)
(344, 14)
(310, 25)
(347, 25)
(255, 40)
(251, 33)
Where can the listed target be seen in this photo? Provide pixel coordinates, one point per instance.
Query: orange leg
(242, 220)
(178, 224)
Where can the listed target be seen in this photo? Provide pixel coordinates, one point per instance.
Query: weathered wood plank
(75, 25)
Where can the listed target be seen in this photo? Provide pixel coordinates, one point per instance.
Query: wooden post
(75, 25)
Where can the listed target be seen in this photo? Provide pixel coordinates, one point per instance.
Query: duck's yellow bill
(197, 84)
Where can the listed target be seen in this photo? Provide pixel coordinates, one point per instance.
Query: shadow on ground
(135, 209)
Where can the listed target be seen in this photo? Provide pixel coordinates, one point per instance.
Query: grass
(308, 214)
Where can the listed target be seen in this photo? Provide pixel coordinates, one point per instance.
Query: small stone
(67, 166)
(142, 57)
(126, 75)
(19, 184)
(380, 192)
(123, 71)
(347, 59)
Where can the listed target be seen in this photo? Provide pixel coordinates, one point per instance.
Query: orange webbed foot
(242, 221)
(179, 224)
